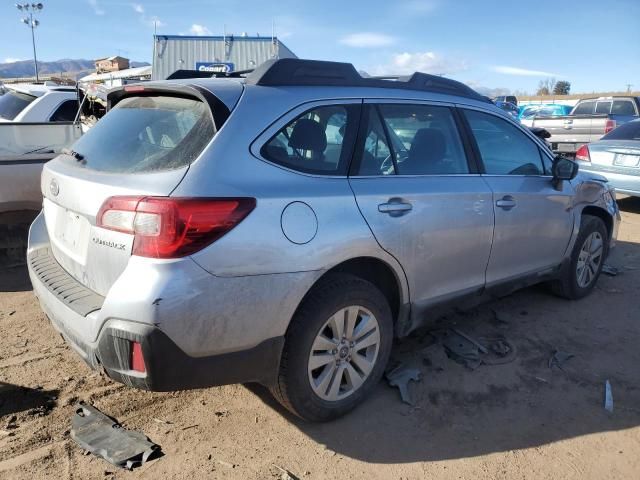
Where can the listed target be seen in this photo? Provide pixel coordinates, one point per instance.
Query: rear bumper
(168, 367)
(196, 329)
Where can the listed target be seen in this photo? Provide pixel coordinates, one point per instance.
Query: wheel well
(602, 214)
(375, 271)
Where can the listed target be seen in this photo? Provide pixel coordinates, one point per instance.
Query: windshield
(145, 134)
(12, 103)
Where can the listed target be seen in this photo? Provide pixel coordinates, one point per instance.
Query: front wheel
(587, 259)
(336, 348)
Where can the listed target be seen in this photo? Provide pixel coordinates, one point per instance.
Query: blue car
(527, 112)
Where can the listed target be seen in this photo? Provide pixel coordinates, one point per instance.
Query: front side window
(584, 108)
(314, 142)
(504, 149)
(65, 112)
(421, 139)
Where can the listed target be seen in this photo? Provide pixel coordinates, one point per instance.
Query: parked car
(527, 113)
(36, 123)
(284, 227)
(508, 107)
(615, 156)
(589, 120)
(506, 98)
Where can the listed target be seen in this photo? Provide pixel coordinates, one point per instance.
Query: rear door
(142, 147)
(533, 221)
(424, 202)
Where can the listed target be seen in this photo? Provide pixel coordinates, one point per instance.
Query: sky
(514, 44)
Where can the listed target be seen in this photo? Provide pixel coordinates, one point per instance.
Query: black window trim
(298, 110)
(374, 104)
(542, 150)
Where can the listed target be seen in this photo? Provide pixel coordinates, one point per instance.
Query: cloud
(428, 62)
(522, 71)
(12, 60)
(199, 30)
(137, 8)
(96, 7)
(367, 40)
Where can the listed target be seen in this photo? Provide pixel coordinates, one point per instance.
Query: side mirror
(563, 169)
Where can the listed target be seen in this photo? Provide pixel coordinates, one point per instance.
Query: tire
(571, 284)
(335, 298)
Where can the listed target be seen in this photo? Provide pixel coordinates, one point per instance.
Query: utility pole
(629, 85)
(30, 10)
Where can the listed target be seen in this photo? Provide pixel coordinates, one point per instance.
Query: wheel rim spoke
(589, 259)
(343, 353)
(320, 359)
(336, 381)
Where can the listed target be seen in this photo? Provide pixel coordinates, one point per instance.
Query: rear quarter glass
(146, 134)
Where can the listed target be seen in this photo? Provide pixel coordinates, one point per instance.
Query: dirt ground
(518, 420)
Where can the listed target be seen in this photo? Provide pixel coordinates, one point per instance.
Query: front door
(534, 221)
(424, 202)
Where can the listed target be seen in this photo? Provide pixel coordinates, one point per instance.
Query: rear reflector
(134, 88)
(583, 154)
(137, 360)
(165, 227)
(610, 125)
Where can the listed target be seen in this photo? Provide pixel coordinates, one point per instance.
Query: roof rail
(300, 72)
(182, 74)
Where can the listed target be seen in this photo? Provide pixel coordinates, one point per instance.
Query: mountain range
(24, 68)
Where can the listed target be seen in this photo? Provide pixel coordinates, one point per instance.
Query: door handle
(506, 203)
(395, 208)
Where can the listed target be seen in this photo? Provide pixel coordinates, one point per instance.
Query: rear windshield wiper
(72, 153)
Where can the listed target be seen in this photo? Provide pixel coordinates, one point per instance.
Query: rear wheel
(336, 348)
(591, 248)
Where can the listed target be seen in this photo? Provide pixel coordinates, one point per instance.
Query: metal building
(216, 53)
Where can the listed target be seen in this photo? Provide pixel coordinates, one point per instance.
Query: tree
(562, 88)
(545, 87)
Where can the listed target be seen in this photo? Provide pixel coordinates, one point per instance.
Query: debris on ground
(400, 377)
(609, 270)
(11, 423)
(559, 358)
(285, 474)
(608, 397)
(103, 436)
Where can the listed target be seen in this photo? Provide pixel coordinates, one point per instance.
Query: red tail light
(610, 125)
(137, 360)
(167, 227)
(583, 154)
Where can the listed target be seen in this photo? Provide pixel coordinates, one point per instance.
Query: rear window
(147, 134)
(626, 131)
(584, 108)
(623, 107)
(12, 103)
(603, 107)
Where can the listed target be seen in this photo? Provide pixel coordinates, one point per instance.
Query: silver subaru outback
(282, 228)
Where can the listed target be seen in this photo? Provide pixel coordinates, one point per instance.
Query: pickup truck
(36, 123)
(589, 120)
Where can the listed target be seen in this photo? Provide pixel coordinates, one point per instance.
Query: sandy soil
(519, 420)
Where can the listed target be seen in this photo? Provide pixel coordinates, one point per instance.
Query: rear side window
(504, 149)
(12, 103)
(316, 141)
(603, 107)
(147, 134)
(623, 107)
(626, 131)
(65, 112)
(421, 140)
(584, 108)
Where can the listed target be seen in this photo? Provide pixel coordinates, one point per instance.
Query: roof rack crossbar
(300, 72)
